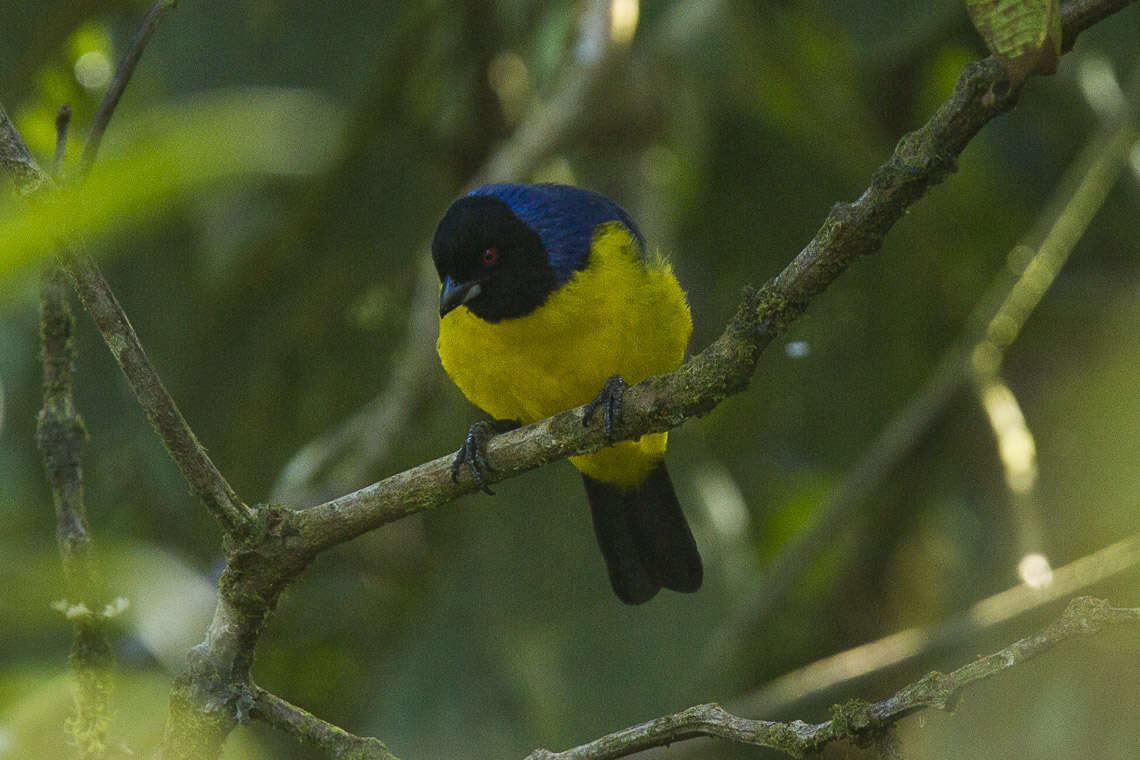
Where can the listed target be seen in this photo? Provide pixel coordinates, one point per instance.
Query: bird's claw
(472, 451)
(609, 400)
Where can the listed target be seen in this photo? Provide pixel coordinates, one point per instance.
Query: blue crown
(564, 217)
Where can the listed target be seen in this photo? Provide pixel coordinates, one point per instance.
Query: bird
(548, 301)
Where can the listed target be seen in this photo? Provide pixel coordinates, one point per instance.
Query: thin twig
(303, 725)
(872, 658)
(62, 120)
(855, 719)
(150, 22)
(1079, 15)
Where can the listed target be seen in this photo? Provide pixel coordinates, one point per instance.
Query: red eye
(490, 257)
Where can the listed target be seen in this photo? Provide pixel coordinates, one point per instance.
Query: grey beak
(454, 294)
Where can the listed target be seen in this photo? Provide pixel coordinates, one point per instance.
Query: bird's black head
(490, 261)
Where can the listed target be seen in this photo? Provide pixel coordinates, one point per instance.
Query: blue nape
(564, 218)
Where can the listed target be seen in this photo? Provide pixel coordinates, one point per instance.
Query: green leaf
(171, 154)
(1024, 34)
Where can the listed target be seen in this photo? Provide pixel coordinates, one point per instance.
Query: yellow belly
(615, 317)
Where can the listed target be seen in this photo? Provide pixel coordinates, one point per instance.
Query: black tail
(644, 537)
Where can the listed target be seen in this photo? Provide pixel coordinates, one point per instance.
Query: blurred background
(267, 190)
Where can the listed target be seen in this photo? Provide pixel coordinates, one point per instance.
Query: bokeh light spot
(1035, 570)
(623, 20)
(797, 349)
(93, 70)
(1100, 87)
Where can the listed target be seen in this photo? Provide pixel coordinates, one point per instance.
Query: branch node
(855, 719)
(1087, 614)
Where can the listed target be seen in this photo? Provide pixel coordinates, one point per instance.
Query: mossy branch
(856, 720)
(60, 433)
(308, 728)
(61, 436)
(268, 546)
(920, 160)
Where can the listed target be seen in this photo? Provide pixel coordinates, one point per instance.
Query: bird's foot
(472, 451)
(609, 400)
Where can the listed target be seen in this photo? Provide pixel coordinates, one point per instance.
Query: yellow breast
(617, 316)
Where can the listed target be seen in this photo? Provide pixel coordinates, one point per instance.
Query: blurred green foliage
(261, 207)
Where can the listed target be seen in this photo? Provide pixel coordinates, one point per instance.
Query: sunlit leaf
(171, 154)
(1024, 34)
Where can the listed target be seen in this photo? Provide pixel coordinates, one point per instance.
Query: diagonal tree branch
(855, 719)
(275, 544)
(215, 684)
(1008, 301)
(920, 160)
(205, 480)
(312, 730)
(817, 678)
(198, 470)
